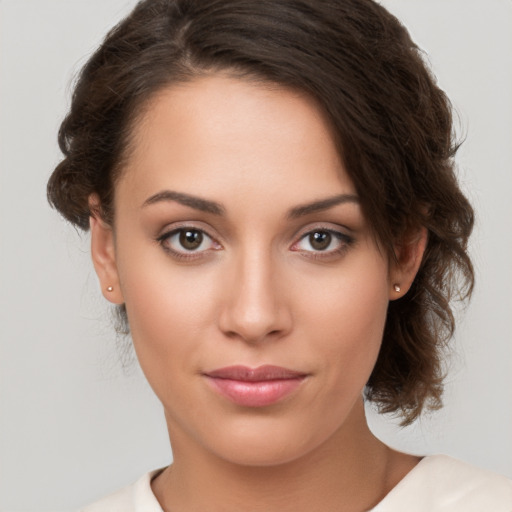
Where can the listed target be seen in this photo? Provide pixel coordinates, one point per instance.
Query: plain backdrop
(73, 424)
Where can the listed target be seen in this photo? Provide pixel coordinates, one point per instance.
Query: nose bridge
(255, 307)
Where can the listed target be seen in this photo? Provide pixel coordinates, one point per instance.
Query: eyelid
(196, 225)
(177, 227)
(338, 232)
(323, 226)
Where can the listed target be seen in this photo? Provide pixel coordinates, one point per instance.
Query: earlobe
(409, 256)
(104, 258)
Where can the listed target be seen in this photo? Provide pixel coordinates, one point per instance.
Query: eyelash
(345, 241)
(185, 255)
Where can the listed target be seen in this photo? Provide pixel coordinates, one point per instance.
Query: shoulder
(120, 501)
(442, 483)
(137, 497)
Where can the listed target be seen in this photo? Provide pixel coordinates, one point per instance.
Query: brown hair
(392, 124)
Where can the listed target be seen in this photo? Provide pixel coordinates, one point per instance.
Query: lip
(255, 387)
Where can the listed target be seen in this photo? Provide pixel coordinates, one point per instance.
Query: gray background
(73, 425)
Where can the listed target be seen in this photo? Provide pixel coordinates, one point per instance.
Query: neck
(351, 471)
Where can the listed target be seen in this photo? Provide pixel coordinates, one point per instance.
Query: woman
(272, 204)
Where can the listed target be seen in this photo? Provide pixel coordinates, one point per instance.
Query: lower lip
(255, 394)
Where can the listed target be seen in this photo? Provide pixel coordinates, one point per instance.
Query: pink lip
(255, 387)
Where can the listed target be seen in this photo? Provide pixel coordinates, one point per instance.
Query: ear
(409, 255)
(103, 253)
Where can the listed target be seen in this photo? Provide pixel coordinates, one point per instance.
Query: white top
(437, 484)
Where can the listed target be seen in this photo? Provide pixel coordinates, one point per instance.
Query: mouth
(255, 387)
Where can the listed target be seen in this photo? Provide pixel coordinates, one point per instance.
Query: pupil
(191, 239)
(320, 240)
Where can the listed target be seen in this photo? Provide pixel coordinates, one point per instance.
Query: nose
(255, 308)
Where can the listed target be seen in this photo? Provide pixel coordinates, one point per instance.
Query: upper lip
(261, 373)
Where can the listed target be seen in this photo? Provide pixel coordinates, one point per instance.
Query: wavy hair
(391, 122)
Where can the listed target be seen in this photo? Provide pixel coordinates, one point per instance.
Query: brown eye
(188, 242)
(320, 240)
(190, 239)
(324, 243)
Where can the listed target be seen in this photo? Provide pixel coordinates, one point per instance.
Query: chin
(264, 453)
(270, 442)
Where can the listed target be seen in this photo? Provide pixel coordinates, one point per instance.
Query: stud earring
(110, 289)
(397, 288)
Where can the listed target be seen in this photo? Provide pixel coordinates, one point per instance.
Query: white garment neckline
(438, 483)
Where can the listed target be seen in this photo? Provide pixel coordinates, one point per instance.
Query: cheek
(170, 310)
(347, 314)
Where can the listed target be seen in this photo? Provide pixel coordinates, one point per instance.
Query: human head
(391, 122)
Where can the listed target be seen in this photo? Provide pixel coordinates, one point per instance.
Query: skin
(257, 291)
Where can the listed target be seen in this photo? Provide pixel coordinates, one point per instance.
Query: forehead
(219, 132)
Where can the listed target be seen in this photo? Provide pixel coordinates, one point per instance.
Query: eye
(190, 240)
(323, 241)
(319, 240)
(186, 242)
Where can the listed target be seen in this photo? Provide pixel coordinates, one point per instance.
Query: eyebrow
(195, 202)
(321, 205)
(215, 208)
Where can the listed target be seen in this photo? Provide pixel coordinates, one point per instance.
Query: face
(255, 292)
